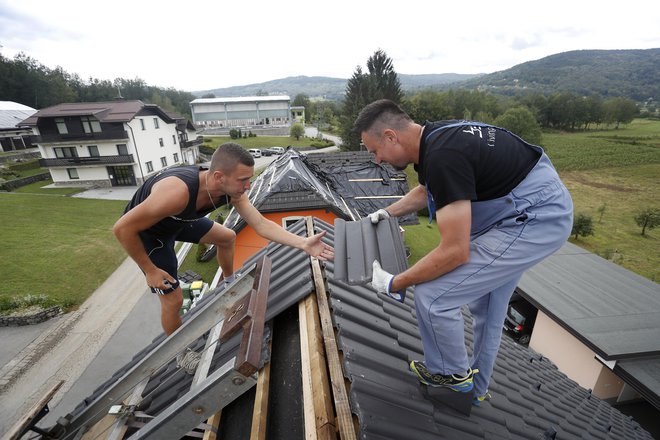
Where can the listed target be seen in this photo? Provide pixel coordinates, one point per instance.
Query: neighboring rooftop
(613, 311)
(13, 113)
(109, 111)
(349, 183)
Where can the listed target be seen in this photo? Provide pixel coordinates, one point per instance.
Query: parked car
(267, 152)
(520, 319)
(277, 150)
(255, 152)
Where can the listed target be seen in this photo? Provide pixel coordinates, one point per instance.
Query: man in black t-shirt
(500, 208)
(171, 206)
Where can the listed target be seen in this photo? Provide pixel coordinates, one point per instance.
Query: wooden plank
(309, 414)
(326, 425)
(16, 431)
(340, 395)
(214, 421)
(260, 410)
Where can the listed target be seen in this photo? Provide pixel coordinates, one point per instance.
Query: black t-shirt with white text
(471, 161)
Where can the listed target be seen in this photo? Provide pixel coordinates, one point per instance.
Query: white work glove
(379, 215)
(381, 281)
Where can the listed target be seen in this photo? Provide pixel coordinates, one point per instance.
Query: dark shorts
(161, 248)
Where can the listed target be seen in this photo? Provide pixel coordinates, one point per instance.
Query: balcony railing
(125, 159)
(105, 135)
(194, 142)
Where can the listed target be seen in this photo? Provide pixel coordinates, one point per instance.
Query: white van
(255, 152)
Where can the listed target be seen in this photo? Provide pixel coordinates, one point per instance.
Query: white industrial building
(249, 111)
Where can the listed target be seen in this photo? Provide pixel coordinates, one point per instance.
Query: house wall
(148, 145)
(573, 358)
(248, 242)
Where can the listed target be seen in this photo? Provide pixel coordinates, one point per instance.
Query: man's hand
(379, 215)
(316, 248)
(381, 281)
(157, 279)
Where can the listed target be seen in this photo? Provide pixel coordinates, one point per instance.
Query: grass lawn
(57, 246)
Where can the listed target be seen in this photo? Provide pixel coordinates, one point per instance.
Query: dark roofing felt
(613, 310)
(378, 336)
(349, 184)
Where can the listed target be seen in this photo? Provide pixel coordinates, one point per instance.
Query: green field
(260, 141)
(63, 247)
(56, 246)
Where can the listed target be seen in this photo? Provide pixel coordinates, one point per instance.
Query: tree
(297, 131)
(380, 82)
(648, 218)
(582, 225)
(208, 95)
(619, 111)
(521, 121)
(301, 100)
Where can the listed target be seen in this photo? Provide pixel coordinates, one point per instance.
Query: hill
(329, 88)
(631, 73)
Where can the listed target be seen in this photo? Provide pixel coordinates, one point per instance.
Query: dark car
(520, 319)
(267, 152)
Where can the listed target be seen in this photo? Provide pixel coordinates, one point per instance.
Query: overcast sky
(200, 45)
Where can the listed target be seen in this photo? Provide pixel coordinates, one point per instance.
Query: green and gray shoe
(478, 399)
(454, 382)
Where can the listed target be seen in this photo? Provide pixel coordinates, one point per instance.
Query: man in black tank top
(500, 208)
(172, 206)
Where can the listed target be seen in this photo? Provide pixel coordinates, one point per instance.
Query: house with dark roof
(331, 362)
(598, 322)
(347, 185)
(115, 143)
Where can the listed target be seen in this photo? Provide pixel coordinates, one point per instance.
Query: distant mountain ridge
(327, 87)
(633, 73)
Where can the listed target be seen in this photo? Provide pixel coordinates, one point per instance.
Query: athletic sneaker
(478, 399)
(188, 361)
(454, 382)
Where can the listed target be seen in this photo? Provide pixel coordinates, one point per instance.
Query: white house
(117, 143)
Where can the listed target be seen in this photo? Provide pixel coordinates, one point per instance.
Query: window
(142, 124)
(155, 122)
(90, 124)
(160, 141)
(61, 126)
(122, 149)
(163, 161)
(176, 157)
(150, 166)
(73, 173)
(64, 152)
(174, 139)
(93, 150)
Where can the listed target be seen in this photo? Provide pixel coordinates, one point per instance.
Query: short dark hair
(227, 157)
(383, 111)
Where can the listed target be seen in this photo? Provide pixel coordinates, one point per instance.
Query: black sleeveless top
(190, 176)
